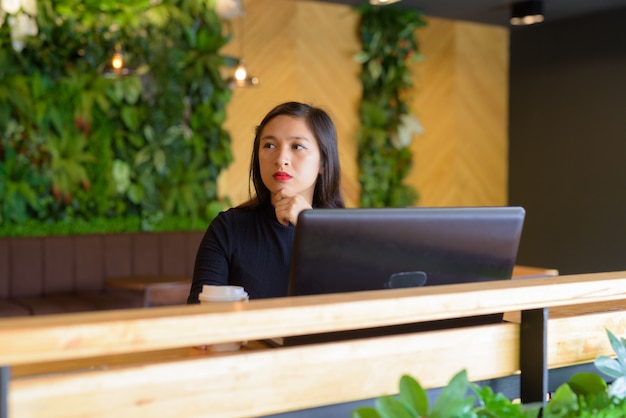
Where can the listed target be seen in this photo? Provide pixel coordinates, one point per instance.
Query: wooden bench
(142, 363)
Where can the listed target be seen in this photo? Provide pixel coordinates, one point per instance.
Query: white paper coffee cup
(217, 294)
(212, 293)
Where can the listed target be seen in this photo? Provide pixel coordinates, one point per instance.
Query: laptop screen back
(346, 250)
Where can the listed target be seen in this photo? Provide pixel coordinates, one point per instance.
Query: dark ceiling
(497, 12)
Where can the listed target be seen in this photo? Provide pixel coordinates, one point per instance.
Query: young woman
(294, 167)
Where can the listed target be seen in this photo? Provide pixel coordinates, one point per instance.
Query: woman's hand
(288, 207)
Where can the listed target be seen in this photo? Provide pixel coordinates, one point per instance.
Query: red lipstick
(281, 176)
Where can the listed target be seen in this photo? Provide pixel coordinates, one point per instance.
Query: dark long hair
(327, 193)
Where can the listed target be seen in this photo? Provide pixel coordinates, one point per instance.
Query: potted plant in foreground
(584, 395)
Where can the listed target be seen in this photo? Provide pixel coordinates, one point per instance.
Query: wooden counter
(141, 363)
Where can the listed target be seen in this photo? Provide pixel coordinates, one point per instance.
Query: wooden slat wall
(89, 263)
(59, 259)
(26, 271)
(117, 259)
(4, 268)
(303, 50)
(146, 254)
(170, 262)
(38, 266)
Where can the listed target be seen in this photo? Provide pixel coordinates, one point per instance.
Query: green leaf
(391, 407)
(148, 133)
(564, 401)
(142, 156)
(121, 175)
(102, 102)
(203, 40)
(136, 193)
(361, 57)
(191, 36)
(586, 383)
(130, 117)
(619, 347)
(453, 399)
(134, 140)
(132, 90)
(608, 366)
(375, 69)
(55, 118)
(413, 396)
(159, 161)
(365, 412)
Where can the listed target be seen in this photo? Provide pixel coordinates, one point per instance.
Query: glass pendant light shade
(241, 77)
(117, 66)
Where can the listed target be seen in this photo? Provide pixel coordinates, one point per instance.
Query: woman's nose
(283, 159)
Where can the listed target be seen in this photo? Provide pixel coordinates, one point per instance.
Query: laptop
(351, 250)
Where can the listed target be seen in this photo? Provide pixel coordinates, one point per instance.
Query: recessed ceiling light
(526, 12)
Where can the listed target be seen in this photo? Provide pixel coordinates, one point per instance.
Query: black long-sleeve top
(245, 247)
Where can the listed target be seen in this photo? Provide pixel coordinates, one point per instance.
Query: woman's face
(289, 157)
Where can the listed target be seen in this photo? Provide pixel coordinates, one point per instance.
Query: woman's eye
(269, 145)
(298, 146)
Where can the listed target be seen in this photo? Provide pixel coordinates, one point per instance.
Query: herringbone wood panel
(461, 98)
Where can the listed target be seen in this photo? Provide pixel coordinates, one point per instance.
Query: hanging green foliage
(389, 45)
(84, 148)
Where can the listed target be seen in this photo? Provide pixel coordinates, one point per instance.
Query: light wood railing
(143, 362)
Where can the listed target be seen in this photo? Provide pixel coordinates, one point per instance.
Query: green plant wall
(82, 150)
(389, 45)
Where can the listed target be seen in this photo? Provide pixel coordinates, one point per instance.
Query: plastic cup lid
(222, 293)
